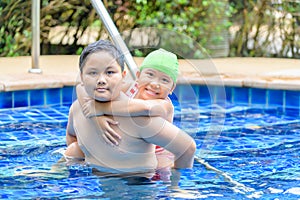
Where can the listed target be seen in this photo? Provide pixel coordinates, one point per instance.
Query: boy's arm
(70, 132)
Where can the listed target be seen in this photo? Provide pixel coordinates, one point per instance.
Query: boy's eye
(92, 73)
(110, 72)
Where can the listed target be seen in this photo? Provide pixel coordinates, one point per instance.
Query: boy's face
(154, 84)
(102, 76)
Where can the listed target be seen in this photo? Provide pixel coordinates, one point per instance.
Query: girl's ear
(174, 85)
(138, 73)
(123, 74)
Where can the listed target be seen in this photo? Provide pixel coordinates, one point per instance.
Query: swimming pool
(254, 148)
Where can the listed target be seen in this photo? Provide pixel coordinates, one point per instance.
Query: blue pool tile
(292, 112)
(5, 118)
(258, 96)
(196, 90)
(205, 93)
(173, 96)
(275, 97)
(37, 97)
(219, 95)
(229, 96)
(20, 98)
(53, 96)
(292, 99)
(68, 94)
(186, 93)
(240, 95)
(6, 99)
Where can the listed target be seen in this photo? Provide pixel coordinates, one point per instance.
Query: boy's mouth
(101, 89)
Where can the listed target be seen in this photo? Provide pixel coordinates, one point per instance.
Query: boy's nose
(101, 80)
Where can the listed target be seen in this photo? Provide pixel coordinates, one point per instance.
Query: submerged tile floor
(49, 114)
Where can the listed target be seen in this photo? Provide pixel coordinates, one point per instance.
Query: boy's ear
(81, 82)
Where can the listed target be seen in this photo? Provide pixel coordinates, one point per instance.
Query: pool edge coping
(61, 70)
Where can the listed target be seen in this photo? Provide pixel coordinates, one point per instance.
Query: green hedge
(220, 27)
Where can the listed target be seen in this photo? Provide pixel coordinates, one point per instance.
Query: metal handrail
(35, 47)
(115, 35)
(108, 23)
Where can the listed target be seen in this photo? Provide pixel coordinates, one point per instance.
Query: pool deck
(62, 70)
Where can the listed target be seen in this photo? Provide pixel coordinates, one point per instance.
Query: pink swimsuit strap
(133, 89)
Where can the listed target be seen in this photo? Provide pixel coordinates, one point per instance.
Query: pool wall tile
(53, 96)
(240, 95)
(20, 98)
(68, 94)
(258, 96)
(219, 95)
(275, 97)
(6, 99)
(205, 93)
(285, 99)
(174, 94)
(292, 99)
(292, 112)
(37, 97)
(187, 92)
(229, 96)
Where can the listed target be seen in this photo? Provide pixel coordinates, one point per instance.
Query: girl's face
(154, 84)
(102, 76)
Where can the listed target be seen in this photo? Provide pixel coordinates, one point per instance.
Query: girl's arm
(132, 107)
(165, 134)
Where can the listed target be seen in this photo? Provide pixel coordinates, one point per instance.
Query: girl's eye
(150, 74)
(164, 80)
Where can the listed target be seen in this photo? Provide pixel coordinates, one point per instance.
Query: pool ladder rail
(106, 20)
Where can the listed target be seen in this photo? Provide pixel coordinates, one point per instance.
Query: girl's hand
(88, 108)
(110, 136)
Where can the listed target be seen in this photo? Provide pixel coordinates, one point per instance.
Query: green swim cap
(163, 61)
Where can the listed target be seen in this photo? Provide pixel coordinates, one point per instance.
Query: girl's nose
(155, 85)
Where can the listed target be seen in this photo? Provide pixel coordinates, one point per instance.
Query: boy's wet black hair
(101, 45)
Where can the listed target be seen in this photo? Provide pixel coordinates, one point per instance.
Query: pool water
(242, 153)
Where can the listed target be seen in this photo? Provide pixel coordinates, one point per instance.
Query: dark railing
(106, 20)
(115, 35)
(35, 26)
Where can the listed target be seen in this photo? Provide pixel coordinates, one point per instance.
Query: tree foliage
(265, 28)
(223, 27)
